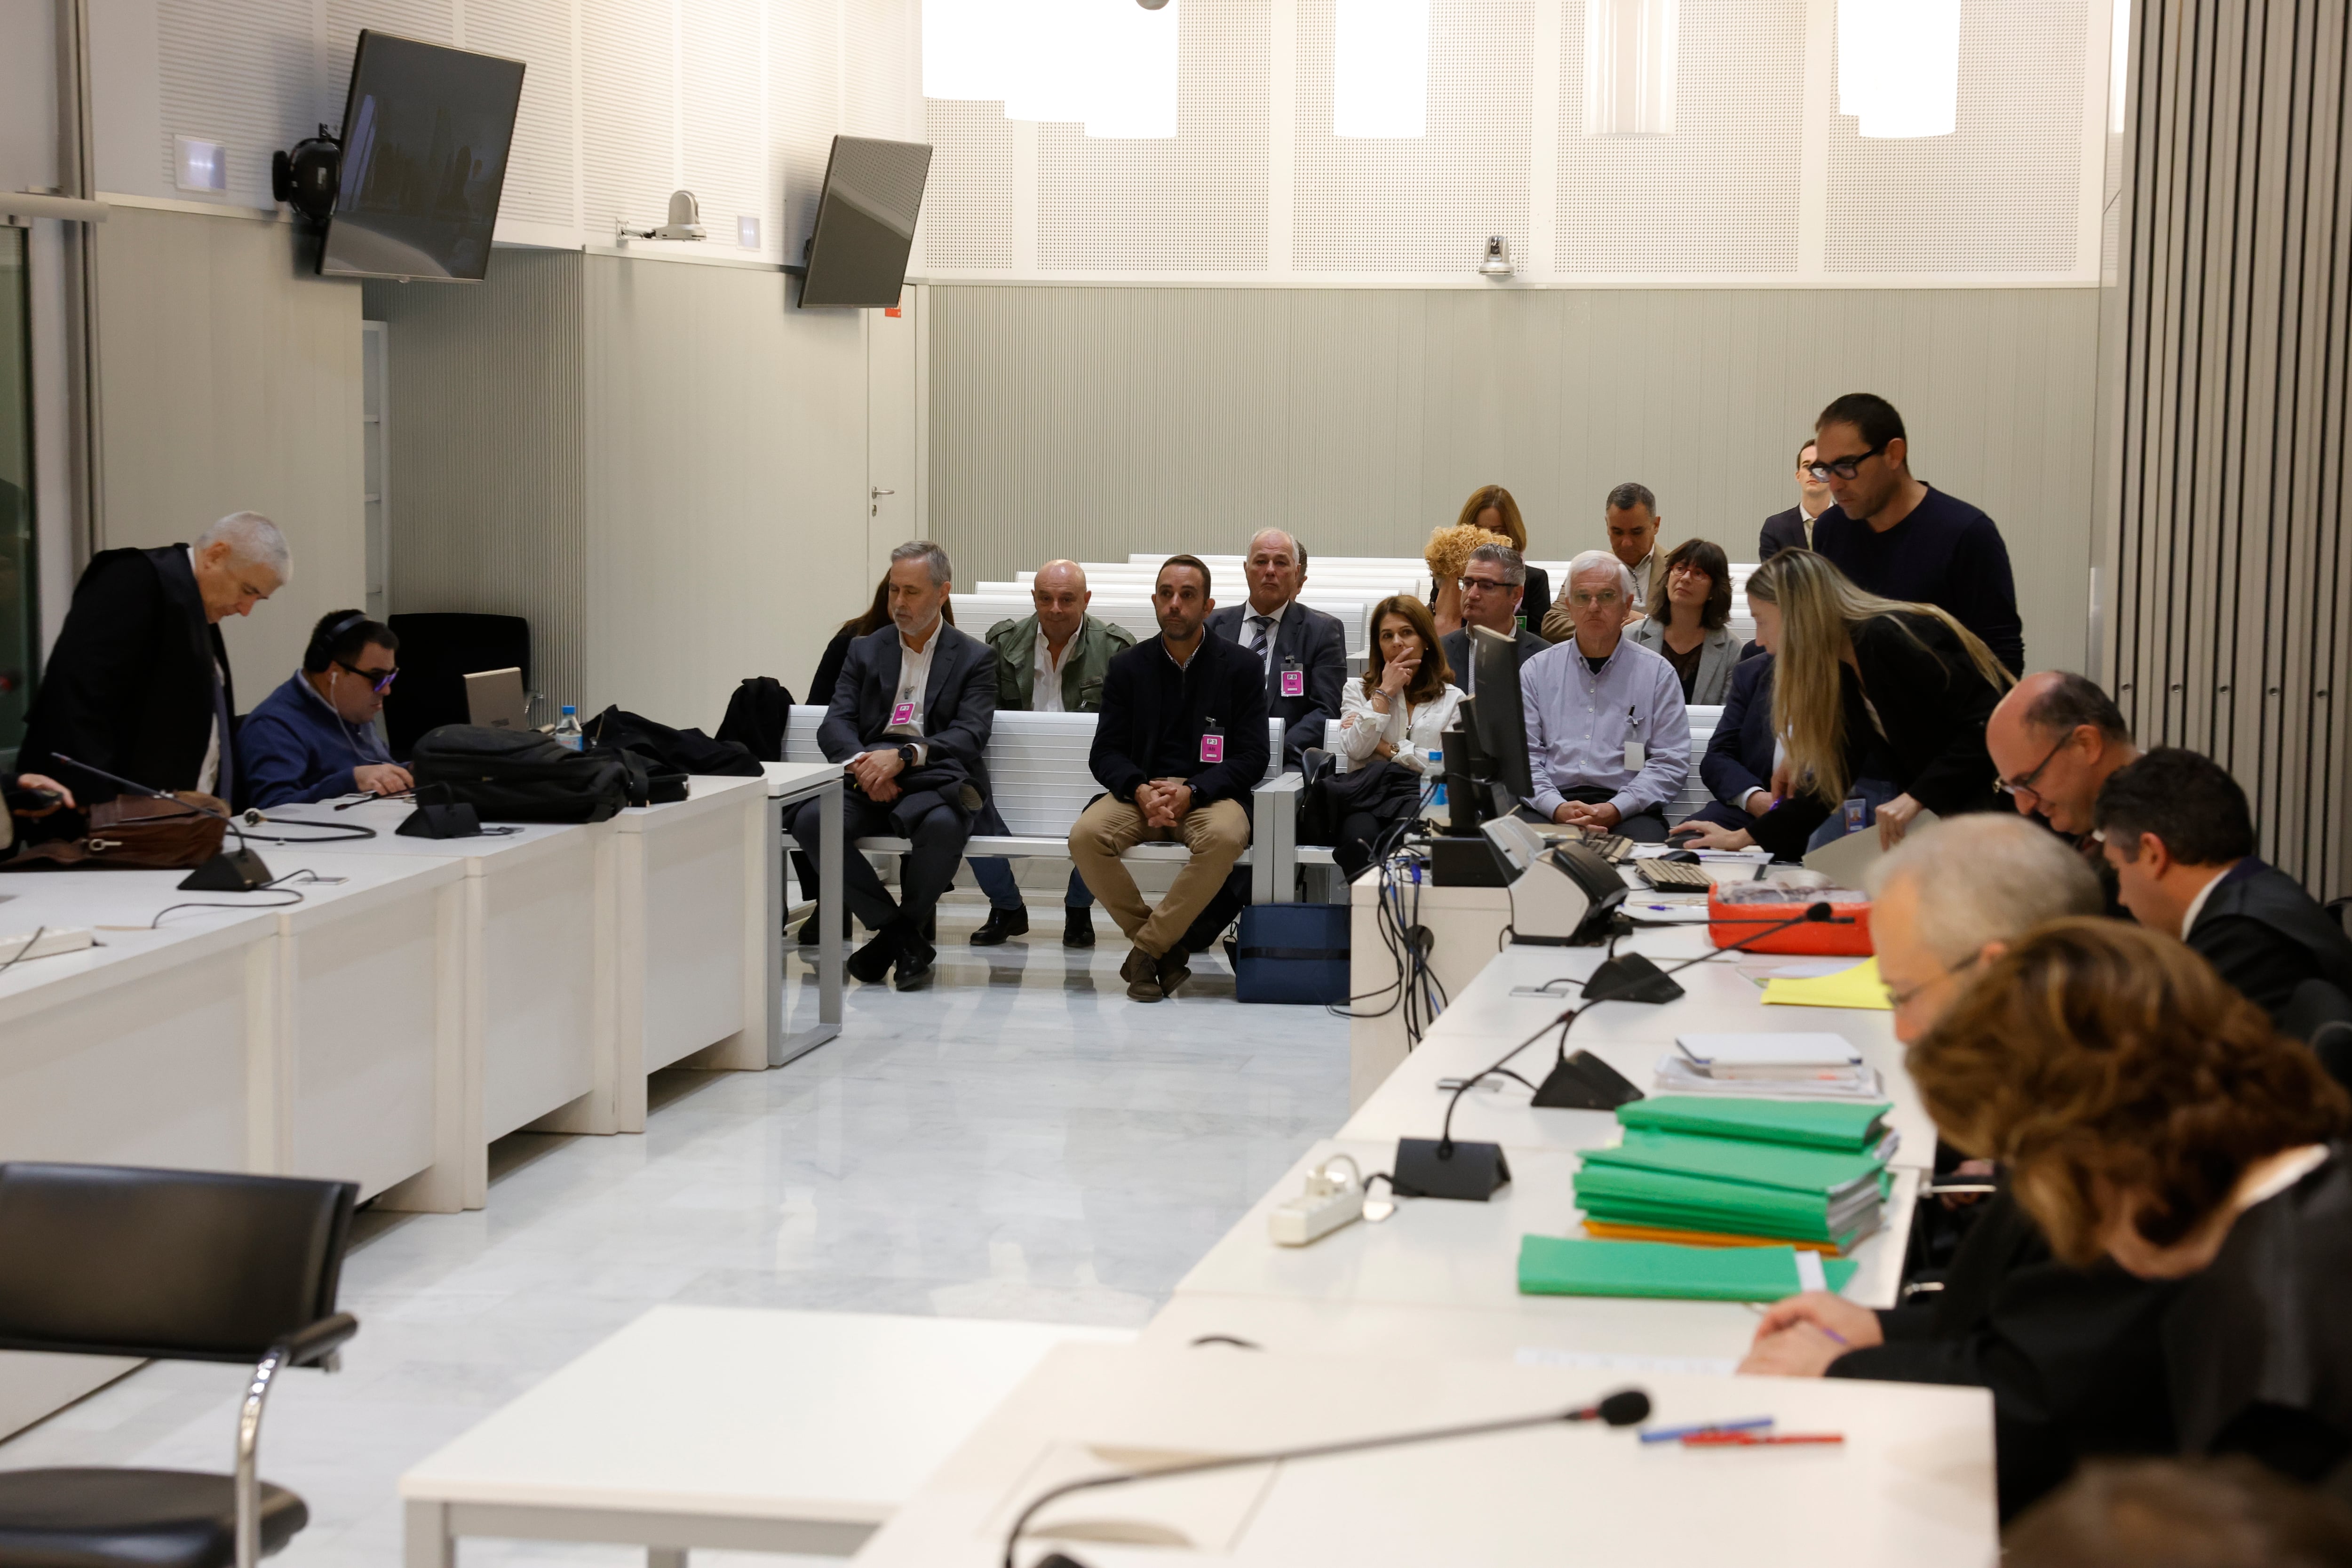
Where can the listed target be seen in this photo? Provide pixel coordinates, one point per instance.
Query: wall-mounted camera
(307, 177)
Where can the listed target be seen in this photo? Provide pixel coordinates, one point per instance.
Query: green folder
(1822, 1171)
(1553, 1265)
(1635, 1196)
(1813, 1124)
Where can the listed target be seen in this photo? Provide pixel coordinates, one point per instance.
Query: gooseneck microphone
(1626, 1407)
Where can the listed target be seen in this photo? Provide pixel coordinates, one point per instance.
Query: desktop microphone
(1626, 1407)
(1634, 978)
(237, 870)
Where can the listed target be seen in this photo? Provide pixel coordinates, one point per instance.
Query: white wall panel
(804, 110)
(244, 73)
(629, 122)
(543, 163)
(722, 105)
(967, 223)
(1720, 195)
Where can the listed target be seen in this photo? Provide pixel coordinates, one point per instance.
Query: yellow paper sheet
(1856, 987)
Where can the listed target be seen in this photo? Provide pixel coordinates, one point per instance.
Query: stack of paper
(1810, 1065)
(1676, 1075)
(1857, 988)
(1549, 1266)
(1850, 1129)
(1730, 1191)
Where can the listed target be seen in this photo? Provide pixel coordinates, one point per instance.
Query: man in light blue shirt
(1607, 738)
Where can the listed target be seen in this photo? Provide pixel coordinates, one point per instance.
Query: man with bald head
(1304, 651)
(2055, 739)
(1051, 662)
(2074, 1357)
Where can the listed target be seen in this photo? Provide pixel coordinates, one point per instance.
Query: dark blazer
(2074, 1357)
(2260, 1344)
(1933, 702)
(959, 709)
(1148, 703)
(2266, 936)
(1782, 530)
(1317, 645)
(1738, 760)
(828, 666)
(130, 686)
(1456, 644)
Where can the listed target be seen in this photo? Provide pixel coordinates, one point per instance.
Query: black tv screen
(425, 132)
(865, 222)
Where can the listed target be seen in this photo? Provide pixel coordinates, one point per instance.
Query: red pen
(1758, 1440)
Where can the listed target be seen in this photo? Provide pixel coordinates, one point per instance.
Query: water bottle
(567, 730)
(1437, 806)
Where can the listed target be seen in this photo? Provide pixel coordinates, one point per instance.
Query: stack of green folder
(1852, 1127)
(1550, 1266)
(1684, 1185)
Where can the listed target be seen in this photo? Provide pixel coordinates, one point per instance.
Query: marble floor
(1020, 1141)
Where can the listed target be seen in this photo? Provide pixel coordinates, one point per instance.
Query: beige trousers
(1216, 834)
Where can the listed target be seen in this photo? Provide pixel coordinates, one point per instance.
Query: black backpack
(519, 775)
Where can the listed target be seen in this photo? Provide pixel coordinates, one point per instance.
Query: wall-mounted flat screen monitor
(865, 222)
(425, 134)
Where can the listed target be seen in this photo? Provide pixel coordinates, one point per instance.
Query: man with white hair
(137, 683)
(1608, 737)
(1303, 651)
(2073, 1356)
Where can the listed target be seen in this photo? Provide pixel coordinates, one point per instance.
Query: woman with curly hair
(1490, 512)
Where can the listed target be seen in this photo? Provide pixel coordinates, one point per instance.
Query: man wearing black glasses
(2055, 739)
(1901, 539)
(314, 738)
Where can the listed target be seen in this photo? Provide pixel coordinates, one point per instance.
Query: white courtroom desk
(1466, 928)
(718, 1426)
(788, 785)
(1912, 1484)
(538, 962)
(1485, 1020)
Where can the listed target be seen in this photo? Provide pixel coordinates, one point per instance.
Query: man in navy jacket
(314, 738)
(1180, 743)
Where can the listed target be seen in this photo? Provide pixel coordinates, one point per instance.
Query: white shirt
(914, 681)
(1046, 694)
(1414, 729)
(209, 774)
(2197, 905)
(1272, 630)
(1642, 579)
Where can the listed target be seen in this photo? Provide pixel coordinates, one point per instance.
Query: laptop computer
(494, 699)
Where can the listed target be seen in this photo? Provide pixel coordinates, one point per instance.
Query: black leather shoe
(1000, 924)
(1172, 969)
(812, 928)
(914, 974)
(1142, 972)
(1078, 928)
(873, 960)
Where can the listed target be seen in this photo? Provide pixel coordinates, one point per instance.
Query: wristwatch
(906, 755)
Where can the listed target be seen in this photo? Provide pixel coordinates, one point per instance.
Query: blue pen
(1675, 1434)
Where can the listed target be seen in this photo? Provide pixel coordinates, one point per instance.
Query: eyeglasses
(1901, 999)
(2023, 784)
(1593, 601)
(380, 680)
(1845, 468)
(1484, 584)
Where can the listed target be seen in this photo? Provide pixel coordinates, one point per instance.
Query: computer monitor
(865, 222)
(1486, 772)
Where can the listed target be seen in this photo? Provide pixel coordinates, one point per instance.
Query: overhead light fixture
(1629, 67)
(1497, 261)
(1379, 68)
(1899, 65)
(1134, 70)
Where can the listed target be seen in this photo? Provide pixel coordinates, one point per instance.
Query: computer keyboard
(1675, 876)
(1613, 848)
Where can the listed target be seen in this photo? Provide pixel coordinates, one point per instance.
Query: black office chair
(438, 651)
(176, 1266)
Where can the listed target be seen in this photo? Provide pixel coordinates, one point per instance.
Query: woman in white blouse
(1397, 712)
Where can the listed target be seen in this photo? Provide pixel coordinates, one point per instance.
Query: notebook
(1627, 1195)
(1555, 1265)
(1819, 1124)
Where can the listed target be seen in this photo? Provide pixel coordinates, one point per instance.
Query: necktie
(1261, 644)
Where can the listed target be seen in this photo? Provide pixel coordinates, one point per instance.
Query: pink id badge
(903, 713)
(1212, 747)
(1294, 683)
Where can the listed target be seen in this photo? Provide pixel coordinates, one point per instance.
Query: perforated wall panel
(1721, 194)
(1423, 205)
(2003, 193)
(1195, 202)
(244, 73)
(427, 21)
(881, 51)
(543, 162)
(628, 122)
(804, 94)
(967, 205)
(726, 155)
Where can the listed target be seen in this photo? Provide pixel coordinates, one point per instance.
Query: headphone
(322, 642)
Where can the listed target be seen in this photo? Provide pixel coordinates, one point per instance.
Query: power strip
(24, 945)
(1329, 1201)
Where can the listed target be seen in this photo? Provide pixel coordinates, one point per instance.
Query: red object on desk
(1759, 1439)
(1736, 925)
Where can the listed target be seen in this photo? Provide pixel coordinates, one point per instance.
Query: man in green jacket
(1051, 662)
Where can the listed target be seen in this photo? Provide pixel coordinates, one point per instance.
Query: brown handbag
(139, 833)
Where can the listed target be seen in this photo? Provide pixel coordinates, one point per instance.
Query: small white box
(199, 165)
(746, 233)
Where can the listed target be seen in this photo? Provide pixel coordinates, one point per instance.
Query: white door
(892, 452)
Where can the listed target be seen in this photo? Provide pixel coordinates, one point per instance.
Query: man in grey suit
(1304, 651)
(1793, 528)
(1493, 580)
(910, 720)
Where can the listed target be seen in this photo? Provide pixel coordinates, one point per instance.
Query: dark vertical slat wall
(2230, 570)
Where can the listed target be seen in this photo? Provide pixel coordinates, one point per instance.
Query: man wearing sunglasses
(314, 738)
(1901, 539)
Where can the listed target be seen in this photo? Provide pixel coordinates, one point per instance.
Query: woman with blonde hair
(1489, 510)
(1396, 715)
(1874, 700)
